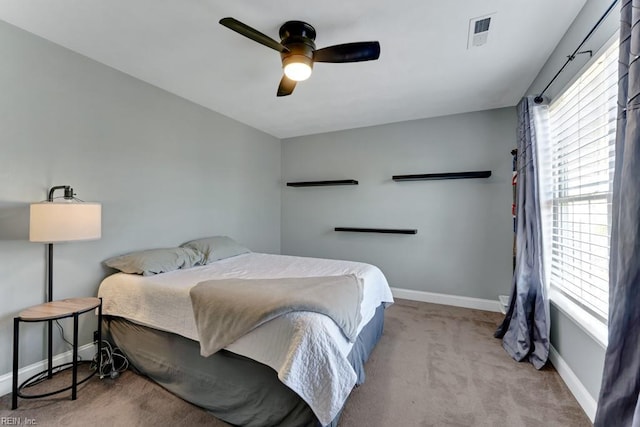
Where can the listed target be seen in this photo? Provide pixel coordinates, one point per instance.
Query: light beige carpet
(434, 366)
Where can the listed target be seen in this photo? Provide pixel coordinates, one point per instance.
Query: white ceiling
(424, 70)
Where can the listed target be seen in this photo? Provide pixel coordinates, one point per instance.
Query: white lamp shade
(65, 221)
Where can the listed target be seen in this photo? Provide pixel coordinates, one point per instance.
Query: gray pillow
(216, 248)
(154, 261)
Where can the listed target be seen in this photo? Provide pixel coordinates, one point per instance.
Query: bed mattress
(289, 344)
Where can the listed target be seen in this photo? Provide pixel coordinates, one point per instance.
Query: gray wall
(584, 356)
(165, 170)
(464, 240)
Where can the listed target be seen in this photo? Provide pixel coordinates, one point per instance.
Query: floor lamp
(60, 220)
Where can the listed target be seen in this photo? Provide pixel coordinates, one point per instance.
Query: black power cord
(62, 335)
(113, 361)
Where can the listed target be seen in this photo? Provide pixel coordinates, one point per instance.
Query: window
(582, 125)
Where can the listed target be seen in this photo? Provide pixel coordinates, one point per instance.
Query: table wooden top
(59, 309)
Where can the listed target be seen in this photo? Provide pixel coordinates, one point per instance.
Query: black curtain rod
(538, 99)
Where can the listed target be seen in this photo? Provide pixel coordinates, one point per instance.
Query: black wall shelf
(322, 183)
(379, 230)
(448, 175)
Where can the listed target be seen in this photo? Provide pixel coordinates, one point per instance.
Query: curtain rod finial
(538, 99)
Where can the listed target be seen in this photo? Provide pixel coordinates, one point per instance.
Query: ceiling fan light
(297, 68)
(297, 71)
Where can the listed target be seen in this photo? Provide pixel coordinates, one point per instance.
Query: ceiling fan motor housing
(298, 37)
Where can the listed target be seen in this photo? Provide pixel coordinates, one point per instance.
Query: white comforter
(307, 349)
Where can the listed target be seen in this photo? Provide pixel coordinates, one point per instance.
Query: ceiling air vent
(479, 31)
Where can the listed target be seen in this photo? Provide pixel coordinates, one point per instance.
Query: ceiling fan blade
(348, 52)
(286, 86)
(253, 34)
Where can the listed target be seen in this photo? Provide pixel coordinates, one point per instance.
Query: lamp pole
(68, 194)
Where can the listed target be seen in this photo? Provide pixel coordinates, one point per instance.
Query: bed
(294, 370)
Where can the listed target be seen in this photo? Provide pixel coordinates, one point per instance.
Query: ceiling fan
(298, 50)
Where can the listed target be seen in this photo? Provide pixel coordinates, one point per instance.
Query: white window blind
(583, 128)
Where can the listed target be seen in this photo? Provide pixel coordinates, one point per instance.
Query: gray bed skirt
(234, 388)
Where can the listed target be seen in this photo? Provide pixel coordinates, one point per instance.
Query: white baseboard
(582, 395)
(86, 352)
(455, 300)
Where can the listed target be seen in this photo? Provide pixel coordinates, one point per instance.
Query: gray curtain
(525, 331)
(618, 401)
